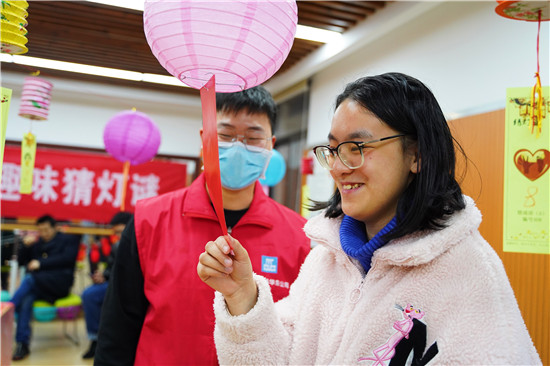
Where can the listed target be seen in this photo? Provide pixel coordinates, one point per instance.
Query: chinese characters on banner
(526, 176)
(82, 186)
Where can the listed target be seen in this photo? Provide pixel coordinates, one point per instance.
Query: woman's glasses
(350, 153)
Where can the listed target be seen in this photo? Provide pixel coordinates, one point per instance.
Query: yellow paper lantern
(12, 28)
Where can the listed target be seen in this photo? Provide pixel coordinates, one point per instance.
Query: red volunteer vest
(171, 232)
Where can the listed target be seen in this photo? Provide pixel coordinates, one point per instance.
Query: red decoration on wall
(82, 186)
(307, 165)
(530, 11)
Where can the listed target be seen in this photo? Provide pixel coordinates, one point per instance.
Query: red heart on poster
(532, 165)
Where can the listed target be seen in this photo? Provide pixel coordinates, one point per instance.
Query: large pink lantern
(131, 136)
(242, 42)
(219, 45)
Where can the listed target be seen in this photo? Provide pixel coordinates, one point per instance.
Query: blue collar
(355, 243)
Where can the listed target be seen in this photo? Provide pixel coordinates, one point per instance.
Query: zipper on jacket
(357, 293)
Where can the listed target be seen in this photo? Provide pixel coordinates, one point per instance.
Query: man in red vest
(157, 311)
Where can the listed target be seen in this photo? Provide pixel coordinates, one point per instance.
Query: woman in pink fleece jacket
(401, 274)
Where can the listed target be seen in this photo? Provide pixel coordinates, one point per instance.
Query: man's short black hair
(46, 219)
(256, 100)
(121, 218)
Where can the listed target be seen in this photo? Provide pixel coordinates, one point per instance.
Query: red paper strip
(210, 149)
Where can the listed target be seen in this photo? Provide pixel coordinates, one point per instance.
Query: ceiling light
(302, 31)
(316, 34)
(91, 70)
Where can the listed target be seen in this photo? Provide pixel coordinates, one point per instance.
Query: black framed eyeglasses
(350, 153)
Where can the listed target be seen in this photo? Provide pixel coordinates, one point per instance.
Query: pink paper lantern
(35, 98)
(242, 42)
(131, 136)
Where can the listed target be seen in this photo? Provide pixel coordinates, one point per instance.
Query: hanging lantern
(13, 23)
(220, 45)
(34, 105)
(35, 98)
(242, 43)
(132, 138)
(530, 11)
(524, 10)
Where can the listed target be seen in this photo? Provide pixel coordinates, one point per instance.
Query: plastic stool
(67, 310)
(5, 296)
(43, 311)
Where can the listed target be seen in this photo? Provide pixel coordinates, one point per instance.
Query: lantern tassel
(210, 150)
(536, 95)
(536, 110)
(125, 173)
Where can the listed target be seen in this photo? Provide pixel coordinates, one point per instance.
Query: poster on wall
(4, 109)
(76, 186)
(526, 175)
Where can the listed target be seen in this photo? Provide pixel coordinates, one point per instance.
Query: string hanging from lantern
(530, 11)
(536, 95)
(224, 46)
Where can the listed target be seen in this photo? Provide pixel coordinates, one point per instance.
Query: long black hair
(409, 107)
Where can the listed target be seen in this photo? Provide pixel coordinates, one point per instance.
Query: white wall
(463, 51)
(79, 112)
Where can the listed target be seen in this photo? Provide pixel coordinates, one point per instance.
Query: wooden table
(6, 326)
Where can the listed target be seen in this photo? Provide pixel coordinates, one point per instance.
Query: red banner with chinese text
(73, 185)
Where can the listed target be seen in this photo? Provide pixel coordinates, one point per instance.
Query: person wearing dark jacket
(50, 263)
(92, 297)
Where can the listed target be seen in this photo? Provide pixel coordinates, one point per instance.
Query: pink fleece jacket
(443, 292)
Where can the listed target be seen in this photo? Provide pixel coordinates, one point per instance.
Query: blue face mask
(241, 166)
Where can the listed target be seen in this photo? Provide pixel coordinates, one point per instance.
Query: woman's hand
(229, 272)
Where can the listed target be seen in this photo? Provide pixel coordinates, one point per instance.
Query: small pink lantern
(242, 42)
(35, 98)
(132, 138)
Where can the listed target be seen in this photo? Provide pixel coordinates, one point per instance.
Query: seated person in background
(50, 262)
(92, 297)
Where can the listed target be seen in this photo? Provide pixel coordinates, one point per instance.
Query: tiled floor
(50, 346)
